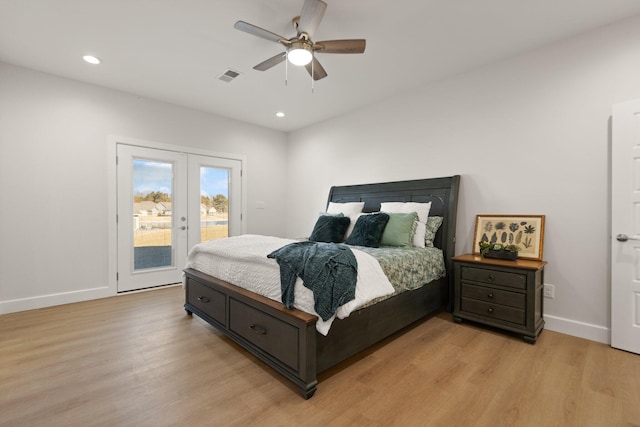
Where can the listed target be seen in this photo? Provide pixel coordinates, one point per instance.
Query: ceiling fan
(301, 49)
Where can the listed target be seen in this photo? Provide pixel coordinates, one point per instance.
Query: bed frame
(286, 339)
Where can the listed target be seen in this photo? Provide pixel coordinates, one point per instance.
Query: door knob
(183, 228)
(624, 238)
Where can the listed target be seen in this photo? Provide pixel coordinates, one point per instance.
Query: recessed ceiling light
(279, 114)
(91, 59)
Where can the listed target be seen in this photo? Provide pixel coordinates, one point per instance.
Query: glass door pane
(214, 203)
(152, 217)
(152, 214)
(215, 198)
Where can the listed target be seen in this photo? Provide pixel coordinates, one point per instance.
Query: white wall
(54, 178)
(529, 135)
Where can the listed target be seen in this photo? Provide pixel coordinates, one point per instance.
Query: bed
(287, 339)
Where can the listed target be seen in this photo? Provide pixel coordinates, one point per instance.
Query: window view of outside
(214, 203)
(152, 210)
(152, 226)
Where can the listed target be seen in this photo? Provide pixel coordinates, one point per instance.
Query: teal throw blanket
(330, 270)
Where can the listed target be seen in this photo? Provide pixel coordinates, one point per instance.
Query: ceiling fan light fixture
(300, 50)
(299, 53)
(94, 60)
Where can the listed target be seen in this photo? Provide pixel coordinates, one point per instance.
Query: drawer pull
(491, 278)
(490, 295)
(258, 329)
(203, 299)
(490, 310)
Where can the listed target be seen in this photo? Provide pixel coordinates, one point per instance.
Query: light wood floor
(139, 360)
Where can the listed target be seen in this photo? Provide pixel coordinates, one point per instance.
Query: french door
(625, 227)
(168, 201)
(213, 183)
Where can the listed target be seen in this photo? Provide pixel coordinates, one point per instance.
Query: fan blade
(271, 62)
(341, 46)
(311, 15)
(318, 70)
(258, 32)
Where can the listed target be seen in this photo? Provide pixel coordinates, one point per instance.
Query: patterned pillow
(433, 224)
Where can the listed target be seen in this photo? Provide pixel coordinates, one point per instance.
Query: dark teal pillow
(330, 229)
(368, 230)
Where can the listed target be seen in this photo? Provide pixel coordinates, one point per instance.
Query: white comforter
(242, 261)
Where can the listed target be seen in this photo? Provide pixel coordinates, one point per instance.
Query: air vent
(229, 75)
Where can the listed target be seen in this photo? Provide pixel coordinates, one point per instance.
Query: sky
(214, 181)
(157, 176)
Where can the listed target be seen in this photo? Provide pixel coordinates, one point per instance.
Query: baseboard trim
(575, 328)
(578, 329)
(50, 300)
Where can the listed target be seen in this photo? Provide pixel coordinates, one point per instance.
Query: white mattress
(242, 261)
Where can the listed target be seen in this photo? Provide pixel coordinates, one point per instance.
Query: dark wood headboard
(441, 192)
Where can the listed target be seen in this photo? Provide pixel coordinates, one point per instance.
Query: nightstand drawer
(494, 277)
(493, 311)
(496, 296)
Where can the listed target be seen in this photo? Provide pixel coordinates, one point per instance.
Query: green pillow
(400, 229)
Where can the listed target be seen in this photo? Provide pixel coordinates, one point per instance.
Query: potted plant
(499, 251)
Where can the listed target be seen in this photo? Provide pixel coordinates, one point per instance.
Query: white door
(214, 198)
(152, 216)
(625, 227)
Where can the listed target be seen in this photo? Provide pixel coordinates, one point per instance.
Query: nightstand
(499, 293)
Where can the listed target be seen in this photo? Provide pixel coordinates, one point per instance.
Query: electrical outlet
(549, 291)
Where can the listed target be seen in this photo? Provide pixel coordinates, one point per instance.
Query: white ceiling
(175, 50)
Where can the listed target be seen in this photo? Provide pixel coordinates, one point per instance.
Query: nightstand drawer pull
(491, 278)
(258, 329)
(490, 310)
(203, 299)
(490, 295)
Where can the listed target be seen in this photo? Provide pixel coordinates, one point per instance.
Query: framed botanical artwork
(524, 231)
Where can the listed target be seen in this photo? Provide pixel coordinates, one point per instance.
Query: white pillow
(420, 234)
(351, 209)
(354, 219)
(348, 209)
(422, 209)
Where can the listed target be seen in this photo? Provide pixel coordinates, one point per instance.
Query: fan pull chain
(286, 68)
(312, 63)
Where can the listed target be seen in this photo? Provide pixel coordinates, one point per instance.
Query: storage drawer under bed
(272, 335)
(208, 300)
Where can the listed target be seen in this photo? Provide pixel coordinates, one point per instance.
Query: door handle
(184, 227)
(624, 238)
